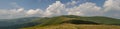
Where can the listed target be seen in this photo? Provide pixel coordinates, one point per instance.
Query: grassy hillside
(65, 20)
(71, 22)
(73, 26)
(60, 19)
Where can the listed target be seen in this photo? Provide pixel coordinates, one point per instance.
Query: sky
(47, 8)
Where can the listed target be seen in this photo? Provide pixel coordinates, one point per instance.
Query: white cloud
(21, 12)
(31, 11)
(112, 5)
(13, 13)
(34, 13)
(110, 8)
(54, 9)
(87, 9)
(57, 8)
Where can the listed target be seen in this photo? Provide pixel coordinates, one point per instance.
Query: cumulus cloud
(21, 12)
(32, 12)
(58, 8)
(87, 9)
(12, 13)
(110, 8)
(54, 9)
(112, 5)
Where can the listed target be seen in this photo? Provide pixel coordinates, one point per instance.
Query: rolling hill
(65, 20)
(11, 23)
(60, 21)
(73, 26)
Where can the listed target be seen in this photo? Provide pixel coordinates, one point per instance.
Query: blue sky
(48, 8)
(33, 4)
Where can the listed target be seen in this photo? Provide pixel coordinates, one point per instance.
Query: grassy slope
(55, 23)
(73, 26)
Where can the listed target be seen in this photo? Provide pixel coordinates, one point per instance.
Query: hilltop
(64, 21)
(71, 21)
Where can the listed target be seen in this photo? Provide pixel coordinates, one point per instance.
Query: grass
(57, 23)
(73, 26)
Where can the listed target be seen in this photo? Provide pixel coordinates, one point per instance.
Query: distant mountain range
(57, 20)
